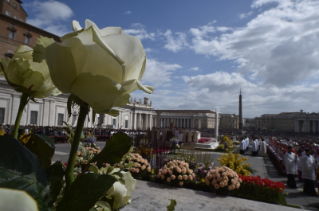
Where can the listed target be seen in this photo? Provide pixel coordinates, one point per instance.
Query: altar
(206, 143)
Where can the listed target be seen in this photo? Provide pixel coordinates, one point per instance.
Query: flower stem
(69, 171)
(23, 103)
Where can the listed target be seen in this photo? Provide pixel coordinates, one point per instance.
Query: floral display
(235, 162)
(259, 189)
(227, 139)
(141, 166)
(188, 159)
(201, 170)
(176, 173)
(223, 178)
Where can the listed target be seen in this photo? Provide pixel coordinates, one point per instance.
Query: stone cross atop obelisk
(216, 124)
(240, 113)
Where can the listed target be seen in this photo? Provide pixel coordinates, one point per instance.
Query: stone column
(216, 125)
(134, 121)
(150, 121)
(146, 119)
(52, 113)
(158, 119)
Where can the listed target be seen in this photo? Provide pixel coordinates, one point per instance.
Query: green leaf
(20, 169)
(55, 175)
(94, 169)
(171, 207)
(104, 205)
(115, 148)
(42, 146)
(85, 191)
(69, 105)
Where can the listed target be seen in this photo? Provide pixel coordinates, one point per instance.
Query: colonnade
(180, 122)
(307, 126)
(142, 121)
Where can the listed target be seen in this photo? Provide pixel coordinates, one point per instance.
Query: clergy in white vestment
(247, 143)
(291, 160)
(308, 173)
(242, 146)
(254, 147)
(263, 148)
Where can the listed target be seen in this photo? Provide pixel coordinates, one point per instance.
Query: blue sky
(200, 53)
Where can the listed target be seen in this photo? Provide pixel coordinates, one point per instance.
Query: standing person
(263, 148)
(301, 153)
(242, 146)
(254, 147)
(308, 173)
(290, 162)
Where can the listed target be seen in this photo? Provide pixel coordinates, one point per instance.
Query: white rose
(122, 193)
(26, 76)
(101, 67)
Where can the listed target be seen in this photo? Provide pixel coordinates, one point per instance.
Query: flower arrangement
(259, 189)
(227, 139)
(235, 162)
(201, 170)
(176, 173)
(223, 178)
(141, 166)
(86, 154)
(188, 159)
(144, 151)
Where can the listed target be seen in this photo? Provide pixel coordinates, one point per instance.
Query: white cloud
(176, 43)
(245, 15)
(127, 12)
(138, 30)
(158, 74)
(279, 46)
(194, 69)
(147, 50)
(48, 15)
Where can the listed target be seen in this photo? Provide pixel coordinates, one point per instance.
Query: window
(34, 117)
(27, 40)
(2, 110)
(114, 122)
(7, 13)
(11, 34)
(15, 17)
(126, 123)
(60, 119)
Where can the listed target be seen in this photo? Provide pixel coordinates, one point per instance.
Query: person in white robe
(263, 148)
(254, 147)
(291, 160)
(242, 146)
(308, 173)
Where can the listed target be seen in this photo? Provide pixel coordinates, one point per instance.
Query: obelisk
(240, 112)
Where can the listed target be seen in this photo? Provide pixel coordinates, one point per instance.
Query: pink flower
(170, 172)
(207, 181)
(162, 176)
(149, 169)
(171, 168)
(190, 177)
(214, 182)
(168, 179)
(178, 170)
(180, 177)
(237, 185)
(183, 171)
(222, 185)
(190, 171)
(159, 175)
(216, 186)
(137, 170)
(173, 177)
(132, 170)
(164, 171)
(143, 167)
(181, 183)
(185, 177)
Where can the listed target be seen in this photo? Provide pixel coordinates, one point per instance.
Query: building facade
(298, 122)
(194, 119)
(14, 31)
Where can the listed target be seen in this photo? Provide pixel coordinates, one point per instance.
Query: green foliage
(55, 175)
(42, 146)
(171, 207)
(115, 148)
(20, 169)
(85, 191)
